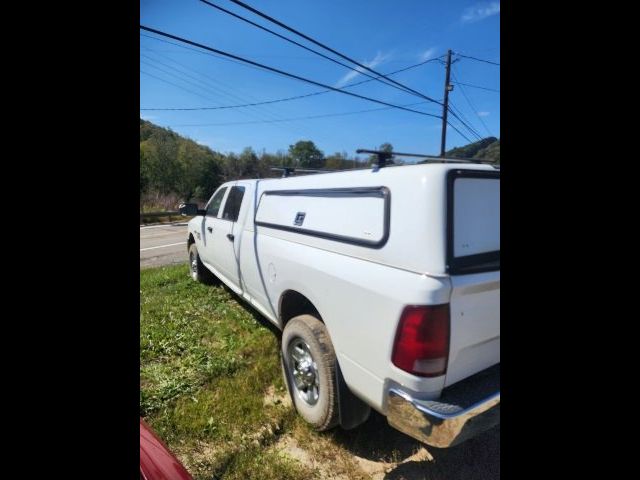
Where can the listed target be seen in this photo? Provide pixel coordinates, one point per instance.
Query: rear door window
(232, 206)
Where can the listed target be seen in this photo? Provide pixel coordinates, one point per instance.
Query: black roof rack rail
(384, 156)
(287, 171)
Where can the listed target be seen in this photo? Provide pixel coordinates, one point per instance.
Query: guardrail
(160, 214)
(152, 217)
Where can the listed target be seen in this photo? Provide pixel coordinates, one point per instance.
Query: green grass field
(211, 387)
(205, 367)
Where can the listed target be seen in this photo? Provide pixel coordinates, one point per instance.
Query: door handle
(231, 236)
(210, 229)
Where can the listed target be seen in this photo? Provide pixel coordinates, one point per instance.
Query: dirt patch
(328, 464)
(199, 458)
(288, 446)
(378, 470)
(274, 397)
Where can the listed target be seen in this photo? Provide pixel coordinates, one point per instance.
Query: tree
(472, 150)
(211, 178)
(249, 164)
(190, 162)
(144, 171)
(269, 160)
(231, 167)
(306, 155)
(338, 161)
(385, 147)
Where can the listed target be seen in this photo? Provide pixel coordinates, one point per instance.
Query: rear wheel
(198, 271)
(308, 361)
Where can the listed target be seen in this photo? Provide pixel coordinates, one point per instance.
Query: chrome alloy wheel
(193, 261)
(303, 371)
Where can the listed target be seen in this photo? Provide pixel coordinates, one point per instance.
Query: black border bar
(481, 262)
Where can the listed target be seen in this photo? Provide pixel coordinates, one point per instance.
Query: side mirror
(188, 209)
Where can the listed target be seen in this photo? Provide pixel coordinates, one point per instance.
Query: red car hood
(156, 461)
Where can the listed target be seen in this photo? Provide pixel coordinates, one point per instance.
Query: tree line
(172, 165)
(176, 169)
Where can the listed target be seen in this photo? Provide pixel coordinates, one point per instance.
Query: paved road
(163, 244)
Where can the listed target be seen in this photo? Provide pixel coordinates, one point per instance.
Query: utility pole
(445, 106)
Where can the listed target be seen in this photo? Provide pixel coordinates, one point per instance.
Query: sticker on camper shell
(299, 219)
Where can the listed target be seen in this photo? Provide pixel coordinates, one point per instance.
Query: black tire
(198, 271)
(306, 338)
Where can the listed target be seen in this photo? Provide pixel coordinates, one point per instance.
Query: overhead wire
(256, 112)
(286, 99)
(474, 58)
(335, 52)
(473, 108)
(309, 117)
(381, 78)
(281, 72)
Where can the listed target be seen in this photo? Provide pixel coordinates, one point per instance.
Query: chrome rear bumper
(440, 424)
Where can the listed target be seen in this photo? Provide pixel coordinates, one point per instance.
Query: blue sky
(384, 35)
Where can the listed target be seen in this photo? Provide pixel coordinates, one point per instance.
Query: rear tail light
(421, 346)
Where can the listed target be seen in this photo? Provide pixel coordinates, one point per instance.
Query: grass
(209, 371)
(206, 363)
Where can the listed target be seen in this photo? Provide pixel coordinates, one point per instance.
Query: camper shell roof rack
(287, 171)
(383, 157)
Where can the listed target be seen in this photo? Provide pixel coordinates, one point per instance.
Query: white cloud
(144, 116)
(427, 54)
(202, 142)
(480, 11)
(379, 58)
(484, 114)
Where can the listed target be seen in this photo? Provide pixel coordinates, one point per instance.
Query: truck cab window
(214, 204)
(234, 201)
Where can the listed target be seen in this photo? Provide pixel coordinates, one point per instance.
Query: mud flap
(353, 411)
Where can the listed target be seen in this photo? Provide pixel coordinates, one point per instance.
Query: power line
(461, 134)
(174, 84)
(254, 115)
(446, 109)
(472, 58)
(466, 123)
(267, 102)
(220, 88)
(258, 65)
(349, 85)
(321, 92)
(477, 86)
(278, 120)
(473, 131)
(219, 57)
(463, 118)
(206, 86)
(335, 52)
(194, 83)
(281, 72)
(309, 117)
(473, 108)
(379, 78)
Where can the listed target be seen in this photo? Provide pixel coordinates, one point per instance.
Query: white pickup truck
(385, 283)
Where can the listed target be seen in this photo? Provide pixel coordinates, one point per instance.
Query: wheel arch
(293, 303)
(352, 411)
